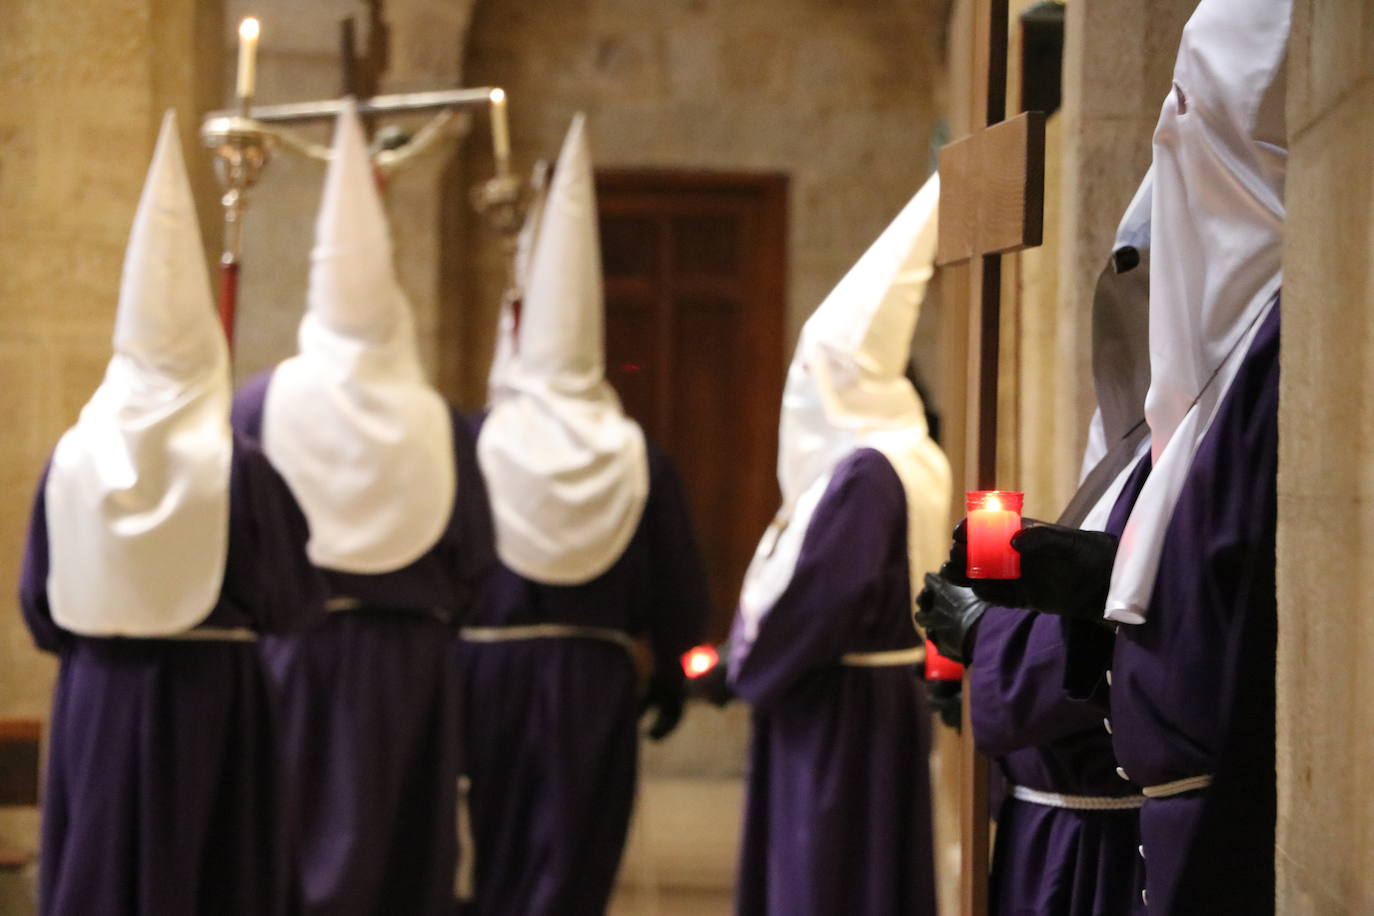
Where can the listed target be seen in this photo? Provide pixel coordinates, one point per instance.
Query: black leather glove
(1064, 571)
(949, 614)
(713, 686)
(946, 698)
(666, 695)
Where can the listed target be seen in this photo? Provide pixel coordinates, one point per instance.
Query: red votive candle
(939, 668)
(699, 660)
(994, 516)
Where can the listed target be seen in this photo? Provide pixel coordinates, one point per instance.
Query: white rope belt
(1178, 786)
(213, 634)
(342, 604)
(1078, 802)
(547, 631)
(890, 659)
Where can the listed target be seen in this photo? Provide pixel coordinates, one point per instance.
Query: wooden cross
(991, 203)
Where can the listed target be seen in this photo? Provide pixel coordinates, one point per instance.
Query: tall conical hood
(166, 316)
(871, 315)
(137, 495)
(362, 439)
(353, 286)
(847, 389)
(848, 376)
(566, 470)
(1220, 158)
(564, 305)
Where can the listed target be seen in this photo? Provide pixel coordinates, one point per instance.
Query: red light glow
(700, 660)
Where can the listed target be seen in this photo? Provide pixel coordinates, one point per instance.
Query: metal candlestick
(241, 147)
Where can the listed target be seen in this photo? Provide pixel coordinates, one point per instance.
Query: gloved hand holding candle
(707, 673)
(1064, 571)
(949, 615)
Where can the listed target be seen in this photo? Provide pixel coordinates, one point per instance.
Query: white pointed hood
(138, 490)
(567, 472)
(847, 389)
(361, 438)
(1219, 160)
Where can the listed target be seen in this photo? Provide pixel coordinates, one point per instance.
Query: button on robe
(1050, 860)
(1193, 687)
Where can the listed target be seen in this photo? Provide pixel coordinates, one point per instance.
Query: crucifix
(244, 138)
(991, 203)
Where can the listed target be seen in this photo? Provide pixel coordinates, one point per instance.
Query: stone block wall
(1325, 856)
(840, 96)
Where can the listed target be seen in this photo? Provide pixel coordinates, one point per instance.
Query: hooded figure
(838, 817)
(159, 546)
(597, 551)
(386, 476)
(1067, 830)
(1192, 666)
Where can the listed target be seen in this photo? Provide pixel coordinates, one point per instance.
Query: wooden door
(694, 266)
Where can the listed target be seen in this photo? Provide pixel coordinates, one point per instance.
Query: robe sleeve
(1017, 684)
(278, 582)
(249, 402)
(472, 504)
(33, 577)
(679, 603)
(849, 544)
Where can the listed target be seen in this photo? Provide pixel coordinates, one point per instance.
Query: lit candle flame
(700, 660)
(248, 58)
(994, 503)
(498, 96)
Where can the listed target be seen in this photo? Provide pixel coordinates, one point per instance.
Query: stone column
(1325, 856)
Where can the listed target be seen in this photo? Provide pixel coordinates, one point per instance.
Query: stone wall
(1325, 855)
(81, 97)
(840, 96)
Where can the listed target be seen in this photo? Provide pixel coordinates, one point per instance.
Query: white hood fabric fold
(567, 472)
(1219, 161)
(847, 389)
(361, 438)
(137, 495)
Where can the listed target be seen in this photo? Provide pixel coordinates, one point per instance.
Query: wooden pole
(991, 203)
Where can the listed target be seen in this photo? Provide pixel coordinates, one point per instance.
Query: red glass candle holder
(699, 660)
(994, 516)
(939, 668)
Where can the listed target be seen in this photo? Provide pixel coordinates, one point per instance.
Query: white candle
(500, 132)
(248, 57)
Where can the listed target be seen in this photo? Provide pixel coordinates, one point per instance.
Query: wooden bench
(20, 753)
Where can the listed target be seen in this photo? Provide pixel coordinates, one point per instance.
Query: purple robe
(550, 738)
(838, 813)
(1192, 689)
(162, 776)
(369, 709)
(1050, 860)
